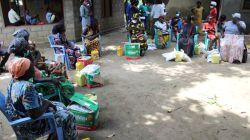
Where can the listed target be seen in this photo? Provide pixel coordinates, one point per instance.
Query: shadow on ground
(151, 99)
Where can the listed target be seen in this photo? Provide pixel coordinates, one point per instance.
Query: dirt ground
(151, 99)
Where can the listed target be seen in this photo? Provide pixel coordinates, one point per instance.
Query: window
(246, 5)
(107, 8)
(37, 8)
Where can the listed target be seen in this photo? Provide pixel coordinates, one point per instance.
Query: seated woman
(51, 69)
(20, 47)
(186, 41)
(91, 37)
(24, 101)
(162, 31)
(210, 28)
(136, 30)
(232, 45)
(60, 38)
(32, 20)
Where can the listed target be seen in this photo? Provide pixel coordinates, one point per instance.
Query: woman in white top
(235, 26)
(158, 10)
(14, 18)
(161, 28)
(232, 45)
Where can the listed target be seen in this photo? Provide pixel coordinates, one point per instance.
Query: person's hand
(52, 106)
(57, 80)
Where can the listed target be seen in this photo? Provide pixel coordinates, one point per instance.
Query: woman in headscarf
(24, 101)
(162, 28)
(210, 28)
(158, 9)
(91, 37)
(186, 41)
(213, 12)
(232, 45)
(136, 30)
(22, 47)
(60, 38)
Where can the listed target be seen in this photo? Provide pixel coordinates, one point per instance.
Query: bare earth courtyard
(151, 99)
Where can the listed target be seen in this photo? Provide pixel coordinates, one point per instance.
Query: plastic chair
(207, 40)
(178, 38)
(48, 116)
(156, 38)
(59, 51)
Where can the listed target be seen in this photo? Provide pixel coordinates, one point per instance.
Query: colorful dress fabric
(232, 48)
(186, 41)
(72, 51)
(22, 97)
(93, 44)
(162, 32)
(136, 29)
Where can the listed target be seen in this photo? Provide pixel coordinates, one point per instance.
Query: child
(176, 23)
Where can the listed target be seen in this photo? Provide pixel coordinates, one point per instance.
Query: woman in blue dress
(24, 101)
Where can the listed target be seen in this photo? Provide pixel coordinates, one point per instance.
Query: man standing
(198, 12)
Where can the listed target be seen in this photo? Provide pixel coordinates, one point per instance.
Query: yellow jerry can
(178, 56)
(80, 79)
(79, 66)
(95, 55)
(119, 51)
(216, 58)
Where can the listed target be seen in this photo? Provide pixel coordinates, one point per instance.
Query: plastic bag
(90, 69)
(169, 56)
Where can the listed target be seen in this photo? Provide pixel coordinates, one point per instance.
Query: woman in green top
(145, 12)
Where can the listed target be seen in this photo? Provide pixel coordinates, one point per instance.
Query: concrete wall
(39, 33)
(185, 6)
(231, 6)
(109, 23)
(71, 19)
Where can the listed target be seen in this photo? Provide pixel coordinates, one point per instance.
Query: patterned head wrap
(21, 33)
(19, 67)
(18, 45)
